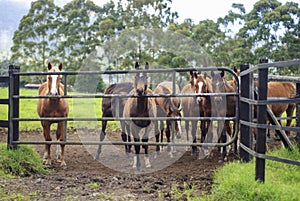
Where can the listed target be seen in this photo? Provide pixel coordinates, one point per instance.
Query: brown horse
(280, 90)
(53, 107)
(110, 109)
(167, 107)
(199, 106)
(223, 107)
(140, 107)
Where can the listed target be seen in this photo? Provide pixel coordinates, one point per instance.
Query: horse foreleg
(60, 137)
(136, 158)
(47, 136)
(194, 131)
(156, 130)
(162, 128)
(187, 127)
(168, 135)
(146, 158)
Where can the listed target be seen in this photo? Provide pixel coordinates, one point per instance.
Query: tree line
(72, 33)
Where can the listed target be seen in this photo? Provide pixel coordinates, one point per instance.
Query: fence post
(298, 114)
(245, 114)
(13, 112)
(261, 119)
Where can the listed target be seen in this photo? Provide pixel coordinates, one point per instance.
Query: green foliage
(236, 180)
(23, 161)
(72, 33)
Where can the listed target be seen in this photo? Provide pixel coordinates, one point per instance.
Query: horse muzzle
(140, 92)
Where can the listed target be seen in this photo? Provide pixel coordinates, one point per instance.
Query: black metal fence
(14, 119)
(244, 109)
(247, 103)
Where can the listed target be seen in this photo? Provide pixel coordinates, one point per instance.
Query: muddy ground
(88, 179)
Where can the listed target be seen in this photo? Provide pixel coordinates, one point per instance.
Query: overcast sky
(197, 10)
(194, 9)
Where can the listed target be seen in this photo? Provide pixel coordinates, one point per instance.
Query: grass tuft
(23, 161)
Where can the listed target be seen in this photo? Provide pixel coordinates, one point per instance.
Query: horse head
(140, 80)
(218, 85)
(54, 80)
(199, 84)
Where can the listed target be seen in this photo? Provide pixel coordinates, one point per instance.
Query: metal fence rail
(14, 96)
(247, 102)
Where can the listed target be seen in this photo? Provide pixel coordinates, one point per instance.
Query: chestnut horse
(140, 107)
(167, 107)
(280, 90)
(199, 106)
(53, 107)
(223, 106)
(109, 110)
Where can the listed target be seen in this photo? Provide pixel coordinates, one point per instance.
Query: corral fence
(244, 109)
(247, 121)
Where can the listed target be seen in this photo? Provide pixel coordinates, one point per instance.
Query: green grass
(23, 161)
(79, 108)
(236, 181)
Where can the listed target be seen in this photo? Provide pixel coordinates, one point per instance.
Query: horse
(140, 107)
(199, 106)
(223, 106)
(167, 107)
(233, 82)
(53, 107)
(280, 90)
(275, 89)
(109, 110)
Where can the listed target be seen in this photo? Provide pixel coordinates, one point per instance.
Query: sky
(197, 10)
(194, 9)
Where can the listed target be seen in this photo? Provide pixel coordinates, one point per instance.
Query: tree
(32, 42)
(272, 29)
(77, 32)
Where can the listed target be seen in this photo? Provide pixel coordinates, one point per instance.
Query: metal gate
(243, 109)
(14, 119)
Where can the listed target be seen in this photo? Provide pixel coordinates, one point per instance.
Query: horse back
(117, 88)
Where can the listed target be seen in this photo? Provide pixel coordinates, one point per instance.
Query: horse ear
(147, 65)
(222, 73)
(205, 75)
(49, 66)
(235, 69)
(191, 73)
(136, 65)
(60, 66)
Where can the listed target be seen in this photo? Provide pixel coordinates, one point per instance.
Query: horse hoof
(178, 136)
(48, 163)
(147, 162)
(63, 165)
(171, 155)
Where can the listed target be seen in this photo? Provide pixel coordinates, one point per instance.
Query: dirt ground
(88, 179)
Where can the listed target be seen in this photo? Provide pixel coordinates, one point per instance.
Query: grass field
(236, 181)
(79, 108)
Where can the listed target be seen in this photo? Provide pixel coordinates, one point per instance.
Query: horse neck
(142, 104)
